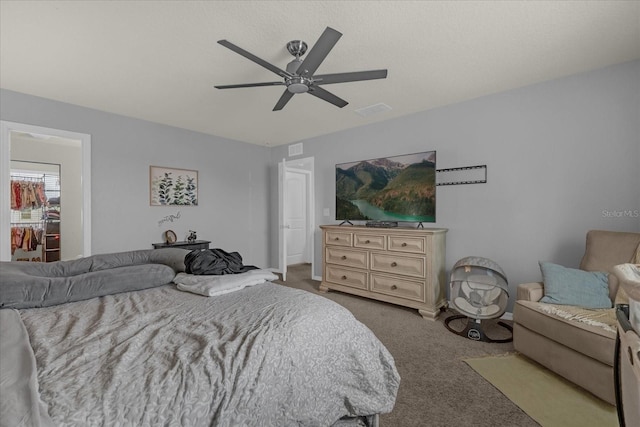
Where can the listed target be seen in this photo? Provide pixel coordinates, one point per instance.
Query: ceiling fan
(299, 77)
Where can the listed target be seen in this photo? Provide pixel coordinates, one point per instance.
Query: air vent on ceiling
(373, 109)
(295, 149)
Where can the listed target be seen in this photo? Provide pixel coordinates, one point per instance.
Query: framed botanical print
(170, 186)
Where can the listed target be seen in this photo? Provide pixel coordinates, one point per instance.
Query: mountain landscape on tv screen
(400, 188)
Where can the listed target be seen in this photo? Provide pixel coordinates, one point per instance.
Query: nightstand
(196, 244)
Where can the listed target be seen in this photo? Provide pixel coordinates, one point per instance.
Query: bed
(262, 355)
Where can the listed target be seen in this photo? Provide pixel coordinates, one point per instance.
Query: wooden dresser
(404, 266)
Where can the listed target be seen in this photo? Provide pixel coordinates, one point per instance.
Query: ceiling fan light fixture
(298, 88)
(298, 84)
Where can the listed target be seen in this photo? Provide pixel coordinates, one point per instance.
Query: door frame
(6, 128)
(305, 165)
(308, 225)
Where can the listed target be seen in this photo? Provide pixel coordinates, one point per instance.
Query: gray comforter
(262, 356)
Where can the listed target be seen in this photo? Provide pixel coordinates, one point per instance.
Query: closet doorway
(35, 212)
(37, 153)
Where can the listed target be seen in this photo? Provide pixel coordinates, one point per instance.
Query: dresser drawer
(396, 287)
(348, 257)
(416, 245)
(346, 277)
(338, 238)
(369, 241)
(398, 264)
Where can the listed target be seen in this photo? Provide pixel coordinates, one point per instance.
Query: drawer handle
(337, 238)
(344, 257)
(394, 287)
(368, 241)
(344, 277)
(404, 244)
(394, 264)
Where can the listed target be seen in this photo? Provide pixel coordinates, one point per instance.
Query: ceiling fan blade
(286, 96)
(249, 85)
(325, 79)
(327, 96)
(319, 51)
(252, 57)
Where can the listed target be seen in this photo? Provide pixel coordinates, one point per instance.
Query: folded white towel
(214, 285)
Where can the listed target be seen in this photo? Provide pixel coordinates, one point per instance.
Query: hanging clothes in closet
(27, 194)
(26, 238)
(28, 201)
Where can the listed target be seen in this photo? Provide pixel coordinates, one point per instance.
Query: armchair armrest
(530, 291)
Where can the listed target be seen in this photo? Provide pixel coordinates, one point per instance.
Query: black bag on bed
(214, 262)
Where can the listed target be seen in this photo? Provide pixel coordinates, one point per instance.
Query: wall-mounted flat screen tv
(398, 188)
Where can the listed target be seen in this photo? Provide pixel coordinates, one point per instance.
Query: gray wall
(233, 178)
(563, 157)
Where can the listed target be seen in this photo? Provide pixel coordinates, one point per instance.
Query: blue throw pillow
(569, 286)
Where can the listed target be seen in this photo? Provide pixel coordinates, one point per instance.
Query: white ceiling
(159, 60)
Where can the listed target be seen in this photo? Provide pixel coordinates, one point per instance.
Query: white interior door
(289, 217)
(296, 225)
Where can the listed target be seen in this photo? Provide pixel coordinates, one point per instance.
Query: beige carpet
(547, 398)
(437, 388)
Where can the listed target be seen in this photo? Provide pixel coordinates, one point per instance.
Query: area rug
(546, 397)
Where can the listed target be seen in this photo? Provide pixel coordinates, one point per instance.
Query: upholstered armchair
(571, 340)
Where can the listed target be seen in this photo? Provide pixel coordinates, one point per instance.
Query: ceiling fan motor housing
(292, 67)
(297, 83)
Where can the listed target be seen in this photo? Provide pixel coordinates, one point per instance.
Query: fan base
(474, 330)
(297, 48)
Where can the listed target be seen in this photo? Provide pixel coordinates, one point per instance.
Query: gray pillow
(173, 257)
(569, 286)
(30, 284)
(24, 291)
